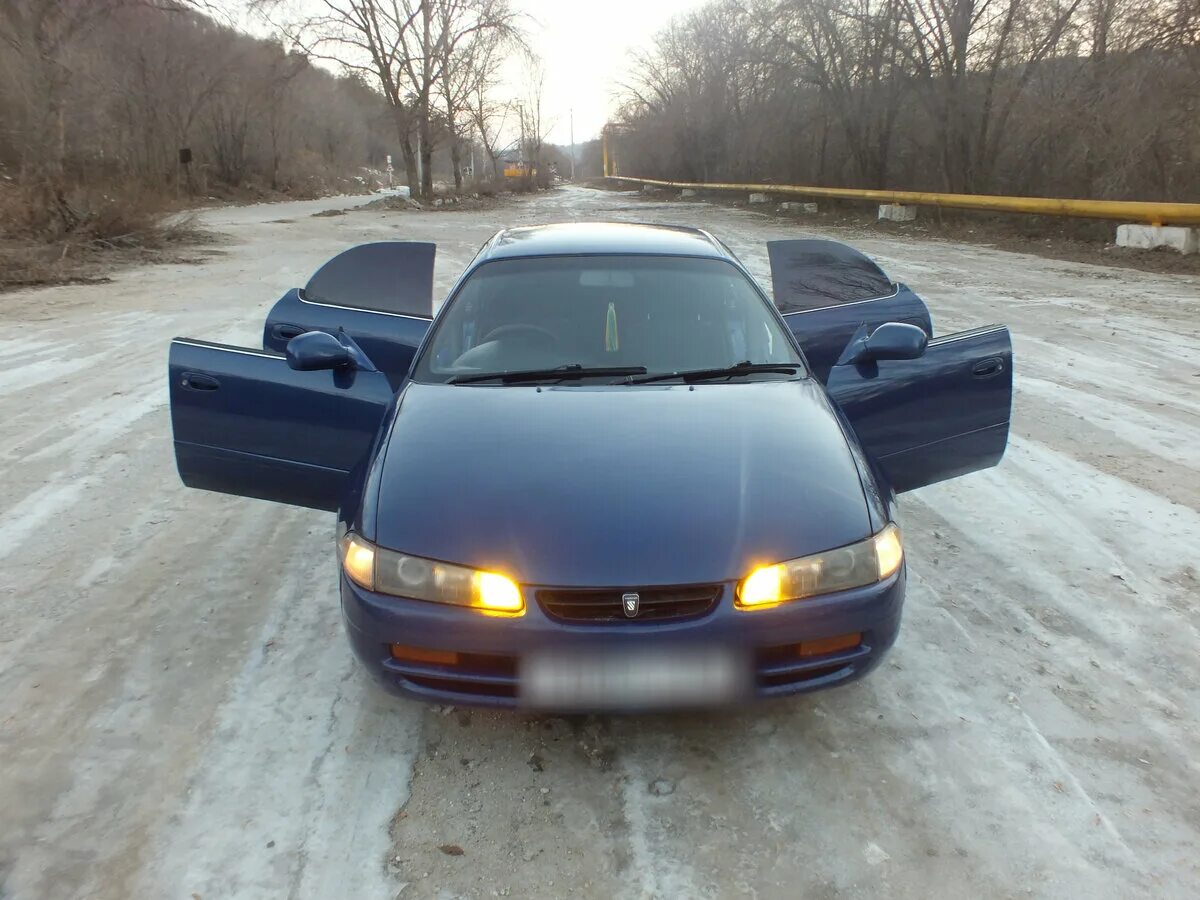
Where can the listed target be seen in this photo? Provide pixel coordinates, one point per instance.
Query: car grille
(604, 605)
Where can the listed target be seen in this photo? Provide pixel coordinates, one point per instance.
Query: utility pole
(420, 179)
(521, 116)
(572, 143)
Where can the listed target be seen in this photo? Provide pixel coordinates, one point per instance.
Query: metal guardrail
(1120, 210)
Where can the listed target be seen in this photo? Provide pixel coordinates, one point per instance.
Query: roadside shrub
(100, 215)
(522, 185)
(489, 188)
(37, 248)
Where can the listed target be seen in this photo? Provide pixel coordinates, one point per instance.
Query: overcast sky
(584, 48)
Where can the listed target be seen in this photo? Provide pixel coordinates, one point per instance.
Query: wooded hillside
(1079, 98)
(106, 93)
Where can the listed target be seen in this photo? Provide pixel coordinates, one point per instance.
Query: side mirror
(317, 350)
(894, 340)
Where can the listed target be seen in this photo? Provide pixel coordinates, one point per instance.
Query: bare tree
(488, 117)
(447, 27)
(470, 64)
(373, 37)
(1091, 97)
(852, 52)
(409, 47)
(133, 83)
(975, 58)
(40, 33)
(534, 126)
(276, 88)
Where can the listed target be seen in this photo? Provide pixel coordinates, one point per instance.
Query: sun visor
(811, 274)
(386, 276)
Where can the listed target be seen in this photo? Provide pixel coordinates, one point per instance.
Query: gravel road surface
(180, 716)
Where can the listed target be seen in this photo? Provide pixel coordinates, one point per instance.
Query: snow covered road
(181, 716)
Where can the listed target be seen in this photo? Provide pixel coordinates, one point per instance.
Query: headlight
(389, 572)
(856, 565)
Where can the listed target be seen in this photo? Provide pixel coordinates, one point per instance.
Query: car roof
(612, 238)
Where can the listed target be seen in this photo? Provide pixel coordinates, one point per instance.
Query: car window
(385, 276)
(668, 314)
(816, 273)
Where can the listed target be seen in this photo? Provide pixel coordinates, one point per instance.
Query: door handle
(986, 368)
(286, 332)
(198, 381)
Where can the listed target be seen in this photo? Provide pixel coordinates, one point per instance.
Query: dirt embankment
(83, 234)
(110, 237)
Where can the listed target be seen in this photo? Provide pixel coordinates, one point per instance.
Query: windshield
(663, 314)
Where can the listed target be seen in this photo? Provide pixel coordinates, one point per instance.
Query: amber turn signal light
(423, 655)
(821, 646)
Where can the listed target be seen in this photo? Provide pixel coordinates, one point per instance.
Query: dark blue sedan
(610, 473)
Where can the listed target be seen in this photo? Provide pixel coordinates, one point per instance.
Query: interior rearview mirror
(317, 350)
(894, 340)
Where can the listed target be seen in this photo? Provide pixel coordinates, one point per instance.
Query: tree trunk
(410, 167)
(406, 150)
(426, 154)
(456, 161)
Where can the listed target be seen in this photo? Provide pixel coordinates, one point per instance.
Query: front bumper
(490, 648)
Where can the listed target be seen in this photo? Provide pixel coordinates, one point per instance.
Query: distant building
(518, 169)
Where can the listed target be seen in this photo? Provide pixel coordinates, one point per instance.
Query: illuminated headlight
(401, 575)
(856, 565)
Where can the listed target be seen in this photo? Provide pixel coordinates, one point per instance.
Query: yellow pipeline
(1122, 210)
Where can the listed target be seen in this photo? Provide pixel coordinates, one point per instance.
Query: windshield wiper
(559, 373)
(743, 368)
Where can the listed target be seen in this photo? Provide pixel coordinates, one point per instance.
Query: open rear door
(941, 415)
(246, 423)
(827, 290)
(381, 294)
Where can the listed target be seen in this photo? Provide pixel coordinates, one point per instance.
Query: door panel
(245, 423)
(389, 339)
(823, 333)
(826, 290)
(381, 294)
(936, 417)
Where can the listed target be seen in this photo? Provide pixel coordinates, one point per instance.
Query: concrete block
(1148, 237)
(896, 212)
(687, 192)
(793, 207)
(649, 189)
(758, 198)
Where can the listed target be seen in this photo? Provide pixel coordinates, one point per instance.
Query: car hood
(613, 485)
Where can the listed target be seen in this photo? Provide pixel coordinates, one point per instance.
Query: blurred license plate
(633, 680)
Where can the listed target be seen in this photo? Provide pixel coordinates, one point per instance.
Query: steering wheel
(540, 335)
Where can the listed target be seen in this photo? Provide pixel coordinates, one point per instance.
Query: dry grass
(311, 185)
(71, 234)
(107, 215)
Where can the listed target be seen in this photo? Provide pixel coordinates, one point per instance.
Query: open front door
(381, 294)
(246, 423)
(827, 290)
(943, 414)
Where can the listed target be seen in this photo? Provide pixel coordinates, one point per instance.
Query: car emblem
(630, 603)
